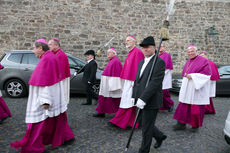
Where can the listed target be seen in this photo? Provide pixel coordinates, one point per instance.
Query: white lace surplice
(167, 82)
(196, 90)
(53, 95)
(110, 87)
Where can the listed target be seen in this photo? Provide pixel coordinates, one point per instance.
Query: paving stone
(93, 135)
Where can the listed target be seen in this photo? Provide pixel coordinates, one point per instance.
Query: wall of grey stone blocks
(88, 24)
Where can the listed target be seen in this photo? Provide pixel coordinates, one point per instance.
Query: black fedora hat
(90, 52)
(148, 41)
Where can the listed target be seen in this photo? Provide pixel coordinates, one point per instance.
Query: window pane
(33, 59)
(25, 59)
(15, 58)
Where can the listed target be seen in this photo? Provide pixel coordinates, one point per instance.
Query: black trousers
(149, 130)
(90, 93)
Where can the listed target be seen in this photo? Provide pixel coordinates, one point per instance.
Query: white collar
(148, 58)
(90, 60)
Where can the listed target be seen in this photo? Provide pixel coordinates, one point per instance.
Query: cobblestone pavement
(93, 135)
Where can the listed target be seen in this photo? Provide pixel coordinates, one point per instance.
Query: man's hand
(45, 106)
(140, 103)
(188, 76)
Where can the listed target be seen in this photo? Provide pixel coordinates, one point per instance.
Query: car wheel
(96, 87)
(15, 88)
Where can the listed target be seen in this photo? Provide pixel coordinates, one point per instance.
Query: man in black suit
(149, 99)
(89, 76)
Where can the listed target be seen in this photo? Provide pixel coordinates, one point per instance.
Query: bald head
(111, 53)
(130, 42)
(53, 45)
(192, 52)
(204, 54)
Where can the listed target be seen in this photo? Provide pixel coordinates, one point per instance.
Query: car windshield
(80, 61)
(76, 62)
(224, 70)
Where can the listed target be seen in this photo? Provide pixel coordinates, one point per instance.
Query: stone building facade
(88, 24)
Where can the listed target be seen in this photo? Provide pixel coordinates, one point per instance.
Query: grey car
(19, 65)
(222, 85)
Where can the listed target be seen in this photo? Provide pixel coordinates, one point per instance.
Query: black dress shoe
(69, 142)
(111, 124)
(1, 121)
(86, 103)
(159, 142)
(170, 109)
(98, 115)
(179, 126)
(194, 129)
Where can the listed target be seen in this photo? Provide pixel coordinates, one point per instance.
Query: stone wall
(88, 24)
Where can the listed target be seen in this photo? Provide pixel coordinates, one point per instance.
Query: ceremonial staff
(105, 45)
(164, 35)
(79, 70)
